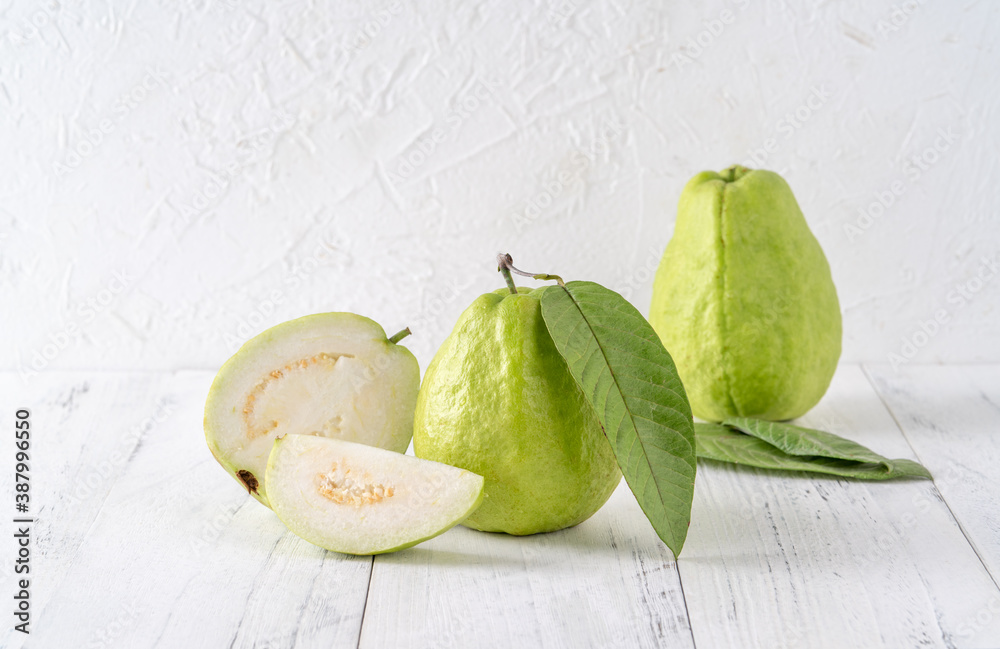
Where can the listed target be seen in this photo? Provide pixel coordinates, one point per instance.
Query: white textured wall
(177, 176)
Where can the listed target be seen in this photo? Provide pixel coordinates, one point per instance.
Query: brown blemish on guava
(249, 480)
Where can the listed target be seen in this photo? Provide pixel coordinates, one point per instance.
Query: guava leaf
(772, 445)
(628, 376)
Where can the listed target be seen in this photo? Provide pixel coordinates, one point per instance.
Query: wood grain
(143, 541)
(951, 417)
(794, 560)
(83, 434)
(180, 556)
(606, 582)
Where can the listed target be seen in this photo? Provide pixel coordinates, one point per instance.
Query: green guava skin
(744, 300)
(498, 400)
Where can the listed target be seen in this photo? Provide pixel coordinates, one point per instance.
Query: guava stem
(734, 173)
(399, 335)
(503, 267)
(544, 277)
(505, 264)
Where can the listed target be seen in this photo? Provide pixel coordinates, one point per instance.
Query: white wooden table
(143, 541)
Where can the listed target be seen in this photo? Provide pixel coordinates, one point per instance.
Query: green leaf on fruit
(785, 447)
(631, 381)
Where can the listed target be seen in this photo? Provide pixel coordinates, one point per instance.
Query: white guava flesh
(358, 499)
(330, 375)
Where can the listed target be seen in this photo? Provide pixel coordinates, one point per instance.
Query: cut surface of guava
(329, 375)
(358, 499)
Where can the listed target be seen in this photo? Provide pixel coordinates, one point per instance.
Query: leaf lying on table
(772, 445)
(631, 381)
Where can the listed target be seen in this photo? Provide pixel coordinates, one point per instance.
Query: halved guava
(358, 499)
(329, 374)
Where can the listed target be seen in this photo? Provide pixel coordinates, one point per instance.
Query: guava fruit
(744, 301)
(358, 499)
(498, 400)
(329, 374)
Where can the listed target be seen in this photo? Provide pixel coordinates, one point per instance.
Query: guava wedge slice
(329, 374)
(357, 499)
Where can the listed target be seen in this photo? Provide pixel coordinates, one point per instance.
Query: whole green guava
(498, 400)
(744, 300)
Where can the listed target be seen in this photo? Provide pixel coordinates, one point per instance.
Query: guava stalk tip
(399, 335)
(504, 266)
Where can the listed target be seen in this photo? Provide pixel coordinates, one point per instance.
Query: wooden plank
(608, 582)
(80, 444)
(792, 560)
(180, 556)
(951, 417)
(163, 549)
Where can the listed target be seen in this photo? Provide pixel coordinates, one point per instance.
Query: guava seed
(345, 490)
